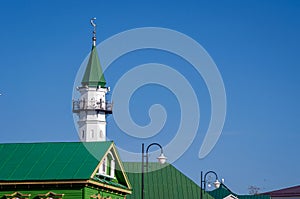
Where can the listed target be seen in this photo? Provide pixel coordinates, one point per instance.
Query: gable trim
(110, 187)
(113, 148)
(50, 194)
(17, 194)
(230, 196)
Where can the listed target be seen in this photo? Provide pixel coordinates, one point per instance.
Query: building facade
(66, 170)
(223, 192)
(285, 193)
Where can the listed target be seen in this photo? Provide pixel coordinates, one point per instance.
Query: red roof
(286, 192)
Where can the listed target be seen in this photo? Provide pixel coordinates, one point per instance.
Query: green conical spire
(93, 75)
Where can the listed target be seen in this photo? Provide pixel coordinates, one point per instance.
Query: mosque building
(92, 167)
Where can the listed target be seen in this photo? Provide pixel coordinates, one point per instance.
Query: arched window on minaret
(101, 134)
(92, 133)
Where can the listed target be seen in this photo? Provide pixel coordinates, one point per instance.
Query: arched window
(104, 166)
(92, 133)
(110, 168)
(107, 167)
(101, 134)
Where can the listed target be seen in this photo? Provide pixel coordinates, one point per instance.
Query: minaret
(92, 106)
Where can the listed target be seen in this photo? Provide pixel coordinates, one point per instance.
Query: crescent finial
(94, 31)
(92, 22)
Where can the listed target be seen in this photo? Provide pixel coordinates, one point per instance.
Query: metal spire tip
(94, 31)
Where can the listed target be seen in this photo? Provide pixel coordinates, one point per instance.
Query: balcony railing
(92, 105)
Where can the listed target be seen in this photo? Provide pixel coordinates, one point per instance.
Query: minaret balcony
(92, 105)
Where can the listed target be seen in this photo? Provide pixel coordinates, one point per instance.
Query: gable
(110, 170)
(231, 197)
(221, 192)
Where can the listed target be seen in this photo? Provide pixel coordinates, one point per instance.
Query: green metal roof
(93, 75)
(224, 191)
(164, 182)
(50, 161)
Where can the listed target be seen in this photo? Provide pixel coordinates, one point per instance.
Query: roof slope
(164, 182)
(93, 75)
(286, 192)
(50, 161)
(224, 191)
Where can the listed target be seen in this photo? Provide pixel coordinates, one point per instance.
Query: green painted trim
(34, 194)
(91, 191)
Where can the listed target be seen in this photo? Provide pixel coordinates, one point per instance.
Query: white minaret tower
(92, 106)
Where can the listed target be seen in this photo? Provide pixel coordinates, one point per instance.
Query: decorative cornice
(110, 187)
(15, 194)
(102, 185)
(50, 194)
(42, 182)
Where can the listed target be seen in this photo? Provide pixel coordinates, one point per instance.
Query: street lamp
(161, 159)
(216, 183)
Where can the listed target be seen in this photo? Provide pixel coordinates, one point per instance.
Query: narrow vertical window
(112, 168)
(102, 167)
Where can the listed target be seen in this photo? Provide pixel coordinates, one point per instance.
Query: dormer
(107, 166)
(231, 196)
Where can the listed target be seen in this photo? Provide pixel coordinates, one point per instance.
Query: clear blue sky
(255, 45)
